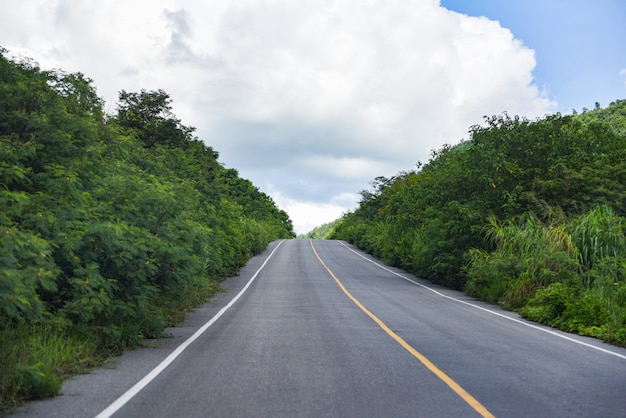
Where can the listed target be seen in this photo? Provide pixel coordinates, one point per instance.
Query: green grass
(35, 360)
(569, 274)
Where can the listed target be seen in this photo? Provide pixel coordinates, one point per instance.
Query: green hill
(320, 232)
(112, 226)
(527, 214)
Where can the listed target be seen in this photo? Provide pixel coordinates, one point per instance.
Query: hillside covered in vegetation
(527, 214)
(111, 227)
(320, 232)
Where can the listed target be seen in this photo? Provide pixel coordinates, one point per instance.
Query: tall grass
(567, 274)
(599, 236)
(529, 255)
(35, 359)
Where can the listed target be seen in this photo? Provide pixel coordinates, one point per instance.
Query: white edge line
(130, 393)
(565, 337)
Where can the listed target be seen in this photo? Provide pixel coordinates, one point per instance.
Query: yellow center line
(471, 401)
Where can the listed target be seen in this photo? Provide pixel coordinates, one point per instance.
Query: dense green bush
(112, 225)
(528, 256)
(569, 275)
(528, 214)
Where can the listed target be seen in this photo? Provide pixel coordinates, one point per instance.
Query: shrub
(528, 256)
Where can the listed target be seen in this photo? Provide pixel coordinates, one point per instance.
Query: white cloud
(623, 73)
(306, 215)
(343, 167)
(313, 98)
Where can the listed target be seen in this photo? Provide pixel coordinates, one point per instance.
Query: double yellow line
(471, 401)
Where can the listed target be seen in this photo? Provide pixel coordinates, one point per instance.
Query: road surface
(318, 328)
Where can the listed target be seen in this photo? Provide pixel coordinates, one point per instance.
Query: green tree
(149, 113)
(111, 227)
(427, 220)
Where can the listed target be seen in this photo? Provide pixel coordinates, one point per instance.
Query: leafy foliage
(111, 226)
(528, 214)
(149, 114)
(528, 256)
(321, 232)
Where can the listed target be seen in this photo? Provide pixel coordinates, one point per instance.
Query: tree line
(320, 232)
(527, 214)
(111, 226)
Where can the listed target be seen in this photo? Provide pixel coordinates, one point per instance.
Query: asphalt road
(320, 329)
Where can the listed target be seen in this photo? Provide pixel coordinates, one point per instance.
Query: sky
(313, 99)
